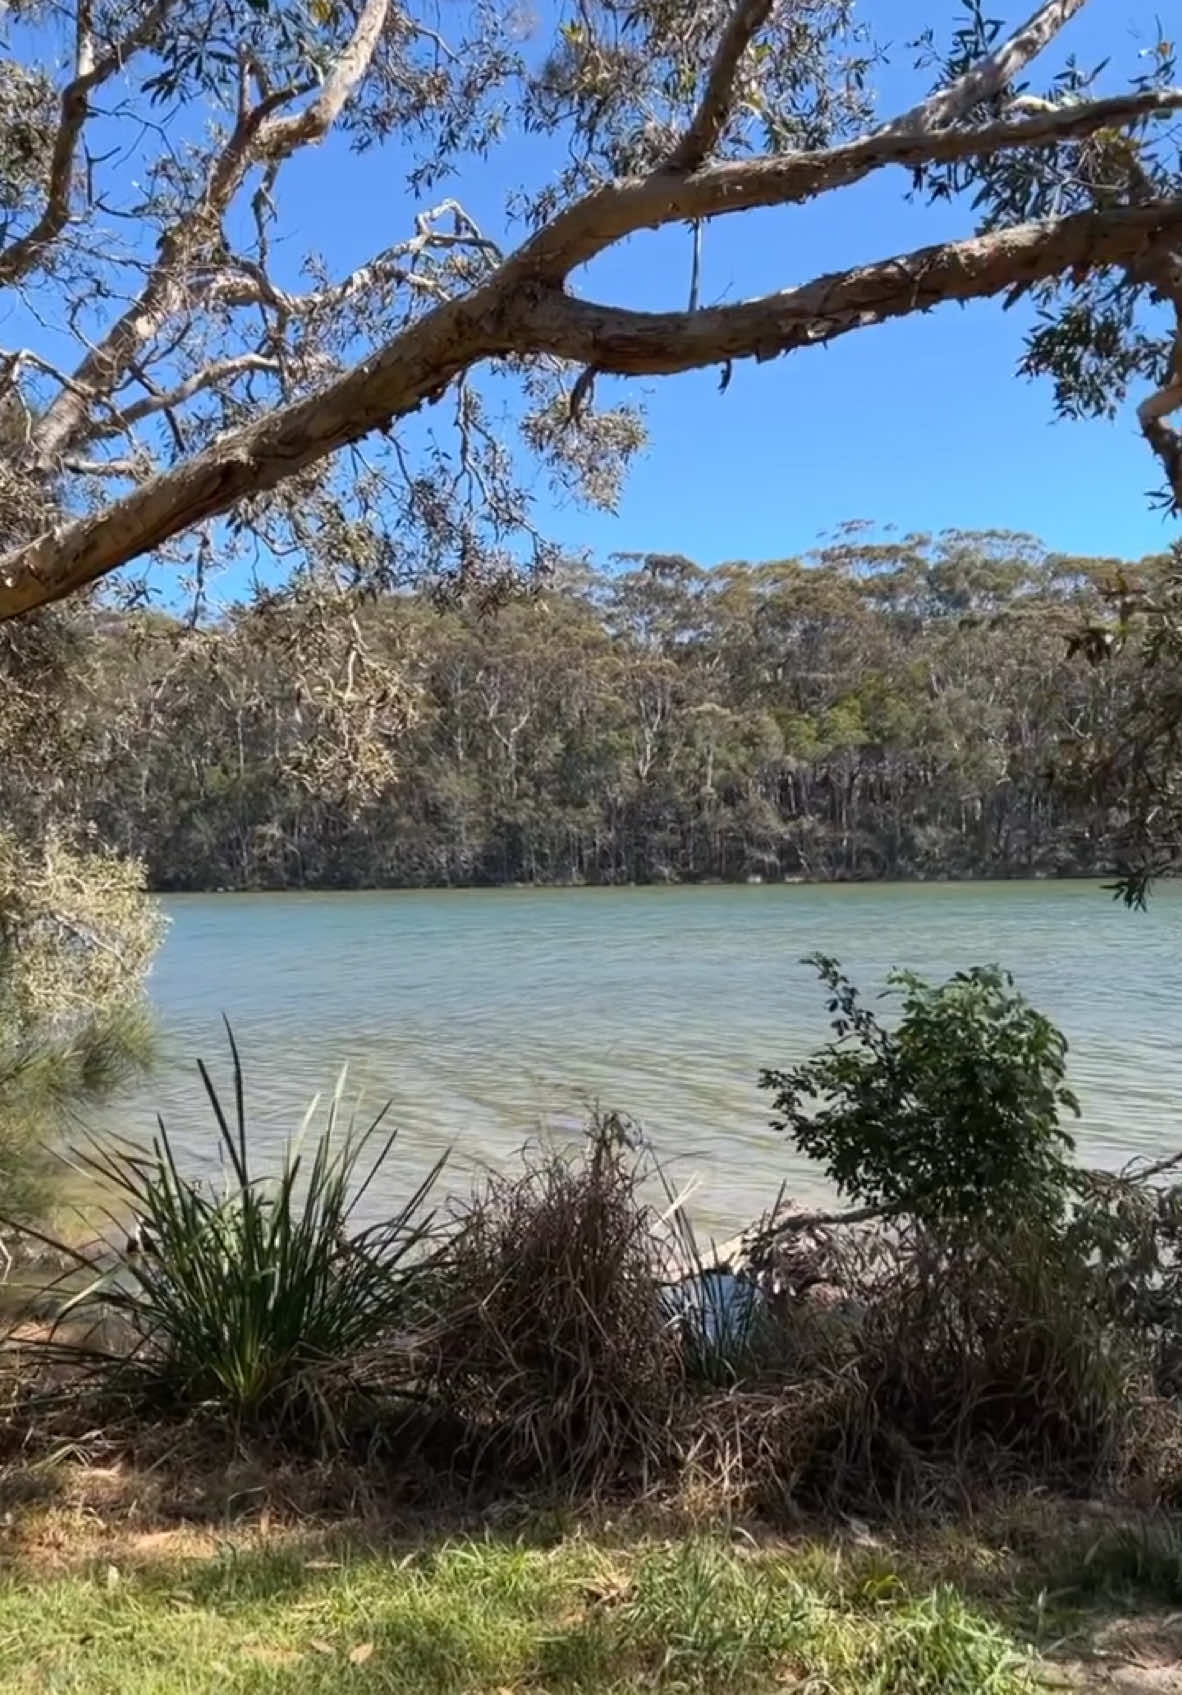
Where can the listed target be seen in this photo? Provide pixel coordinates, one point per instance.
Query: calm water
(488, 1017)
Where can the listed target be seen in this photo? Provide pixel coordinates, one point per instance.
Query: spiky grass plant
(259, 1298)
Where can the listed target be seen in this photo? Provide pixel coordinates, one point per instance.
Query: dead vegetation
(871, 1369)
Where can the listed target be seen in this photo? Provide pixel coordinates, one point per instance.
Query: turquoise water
(489, 1017)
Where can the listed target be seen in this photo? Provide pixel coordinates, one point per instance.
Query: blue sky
(919, 425)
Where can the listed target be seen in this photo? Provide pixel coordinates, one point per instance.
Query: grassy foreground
(492, 1616)
(114, 1610)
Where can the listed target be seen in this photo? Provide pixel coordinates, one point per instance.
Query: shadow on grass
(493, 1613)
(113, 1578)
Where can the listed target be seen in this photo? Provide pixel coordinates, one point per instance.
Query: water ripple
(487, 1017)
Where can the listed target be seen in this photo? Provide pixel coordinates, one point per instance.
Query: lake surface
(486, 1018)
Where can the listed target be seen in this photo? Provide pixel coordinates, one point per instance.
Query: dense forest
(903, 709)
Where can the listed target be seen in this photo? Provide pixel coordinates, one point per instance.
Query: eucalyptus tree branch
(280, 137)
(23, 254)
(121, 469)
(414, 368)
(245, 283)
(260, 136)
(620, 209)
(218, 371)
(990, 76)
(503, 316)
(520, 307)
(717, 102)
(629, 343)
(1153, 414)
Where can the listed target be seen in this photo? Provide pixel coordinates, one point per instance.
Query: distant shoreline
(936, 879)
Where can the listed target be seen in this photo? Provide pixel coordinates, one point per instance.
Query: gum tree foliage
(76, 940)
(175, 358)
(1130, 770)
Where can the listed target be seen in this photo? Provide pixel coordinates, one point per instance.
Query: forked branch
(23, 255)
(418, 365)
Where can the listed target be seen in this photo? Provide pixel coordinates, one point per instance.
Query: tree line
(909, 708)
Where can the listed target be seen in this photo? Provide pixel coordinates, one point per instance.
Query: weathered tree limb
(260, 136)
(992, 75)
(1153, 414)
(246, 284)
(521, 307)
(280, 137)
(630, 343)
(415, 367)
(621, 209)
(541, 319)
(710, 119)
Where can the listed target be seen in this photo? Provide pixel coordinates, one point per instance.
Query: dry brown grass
(922, 1374)
(552, 1344)
(944, 1372)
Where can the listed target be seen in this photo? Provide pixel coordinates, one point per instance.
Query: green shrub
(953, 1115)
(254, 1300)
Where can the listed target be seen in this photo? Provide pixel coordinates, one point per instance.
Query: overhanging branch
(504, 317)
(631, 343)
(415, 367)
(599, 220)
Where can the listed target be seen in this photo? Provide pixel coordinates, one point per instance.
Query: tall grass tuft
(261, 1299)
(554, 1345)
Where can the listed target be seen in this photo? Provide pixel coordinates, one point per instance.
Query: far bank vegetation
(911, 707)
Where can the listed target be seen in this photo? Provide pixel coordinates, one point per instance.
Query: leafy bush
(951, 1115)
(253, 1299)
(554, 1345)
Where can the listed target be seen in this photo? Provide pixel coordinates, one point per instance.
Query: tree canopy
(183, 363)
(890, 707)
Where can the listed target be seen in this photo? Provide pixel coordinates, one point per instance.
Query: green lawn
(699, 1613)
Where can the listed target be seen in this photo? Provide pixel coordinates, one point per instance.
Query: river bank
(500, 1442)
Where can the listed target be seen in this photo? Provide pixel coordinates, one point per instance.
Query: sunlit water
(486, 1018)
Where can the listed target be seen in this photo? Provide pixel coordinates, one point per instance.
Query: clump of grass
(553, 1343)
(259, 1301)
(990, 1351)
(1132, 1564)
